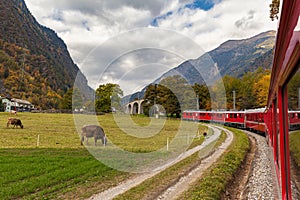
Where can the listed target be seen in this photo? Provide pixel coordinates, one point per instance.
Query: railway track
(173, 191)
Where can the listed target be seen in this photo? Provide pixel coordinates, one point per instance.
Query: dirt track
(184, 183)
(126, 185)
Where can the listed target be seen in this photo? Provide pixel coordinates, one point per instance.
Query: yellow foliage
(261, 89)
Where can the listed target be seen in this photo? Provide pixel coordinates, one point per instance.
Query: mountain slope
(234, 57)
(33, 54)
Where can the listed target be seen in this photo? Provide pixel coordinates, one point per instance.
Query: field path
(184, 182)
(139, 178)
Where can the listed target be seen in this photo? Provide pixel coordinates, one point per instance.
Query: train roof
(294, 111)
(198, 111)
(257, 110)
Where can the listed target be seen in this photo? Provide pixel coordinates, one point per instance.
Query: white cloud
(226, 20)
(92, 29)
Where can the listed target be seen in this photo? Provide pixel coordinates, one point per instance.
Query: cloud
(225, 20)
(103, 32)
(124, 56)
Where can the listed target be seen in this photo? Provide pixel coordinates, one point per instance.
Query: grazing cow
(15, 122)
(93, 131)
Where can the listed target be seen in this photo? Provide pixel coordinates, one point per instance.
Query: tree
(218, 95)
(107, 96)
(249, 90)
(203, 94)
(72, 99)
(66, 102)
(173, 93)
(233, 85)
(161, 95)
(261, 90)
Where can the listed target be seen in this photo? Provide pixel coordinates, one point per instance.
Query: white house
(16, 104)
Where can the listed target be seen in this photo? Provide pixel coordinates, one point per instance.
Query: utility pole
(299, 98)
(197, 98)
(233, 99)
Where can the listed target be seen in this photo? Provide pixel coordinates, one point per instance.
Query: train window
(235, 115)
(294, 126)
(231, 115)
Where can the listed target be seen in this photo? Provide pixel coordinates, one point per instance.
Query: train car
(255, 120)
(204, 116)
(200, 116)
(218, 117)
(294, 120)
(189, 115)
(286, 63)
(235, 119)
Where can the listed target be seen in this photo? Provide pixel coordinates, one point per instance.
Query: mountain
(234, 57)
(35, 64)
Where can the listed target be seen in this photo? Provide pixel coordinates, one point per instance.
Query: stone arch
(129, 107)
(135, 108)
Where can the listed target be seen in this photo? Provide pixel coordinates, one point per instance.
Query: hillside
(234, 57)
(34, 62)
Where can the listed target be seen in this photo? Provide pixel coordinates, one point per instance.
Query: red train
(283, 89)
(256, 120)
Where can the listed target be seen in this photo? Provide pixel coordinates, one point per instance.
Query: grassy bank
(295, 146)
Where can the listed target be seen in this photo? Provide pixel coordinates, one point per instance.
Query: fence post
(167, 143)
(38, 141)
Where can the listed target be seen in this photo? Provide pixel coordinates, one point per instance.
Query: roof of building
(21, 101)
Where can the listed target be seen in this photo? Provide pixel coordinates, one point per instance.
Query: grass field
(295, 146)
(45, 159)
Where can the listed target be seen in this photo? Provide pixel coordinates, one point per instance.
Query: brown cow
(93, 131)
(15, 122)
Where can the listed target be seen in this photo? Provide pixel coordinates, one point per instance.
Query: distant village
(13, 104)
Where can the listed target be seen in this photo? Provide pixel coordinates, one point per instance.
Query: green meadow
(45, 159)
(294, 140)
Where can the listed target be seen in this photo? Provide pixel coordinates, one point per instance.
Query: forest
(27, 76)
(176, 95)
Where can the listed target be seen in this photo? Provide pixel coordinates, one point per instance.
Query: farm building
(16, 104)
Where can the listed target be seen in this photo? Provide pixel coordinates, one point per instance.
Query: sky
(133, 42)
